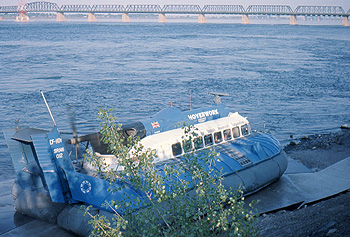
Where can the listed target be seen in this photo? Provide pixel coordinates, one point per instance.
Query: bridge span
(269, 10)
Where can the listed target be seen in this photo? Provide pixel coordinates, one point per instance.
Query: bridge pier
(92, 17)
(201, 19)
(125, 17)
(22, 18)
(293, 20)
(162, 18)
(60, 17)
(345, 21)
(245, 19)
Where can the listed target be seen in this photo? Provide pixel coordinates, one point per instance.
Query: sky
(292, 3)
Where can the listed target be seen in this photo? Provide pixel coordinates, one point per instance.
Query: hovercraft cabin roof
(172, 118)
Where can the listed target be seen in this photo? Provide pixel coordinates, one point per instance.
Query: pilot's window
(227, 134)
(208, 139)
(176, 149)
(218, 137)
(235, 131)
(198, 143)
(187, 145)
(245, 130)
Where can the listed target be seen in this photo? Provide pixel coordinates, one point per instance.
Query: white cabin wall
(162, 142)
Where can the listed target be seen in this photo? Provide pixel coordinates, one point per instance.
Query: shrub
(185, 197)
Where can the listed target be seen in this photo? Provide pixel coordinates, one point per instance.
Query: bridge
(269, 10)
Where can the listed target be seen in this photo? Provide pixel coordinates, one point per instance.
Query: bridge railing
(319, 10)
(9, 9)
(75, 8)
(41, 7)
(143, 8)
(107, 8)
(221, 9)
(269, 9)
(181, 9)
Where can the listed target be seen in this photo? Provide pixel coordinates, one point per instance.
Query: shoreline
(327, 217)
(319, 151)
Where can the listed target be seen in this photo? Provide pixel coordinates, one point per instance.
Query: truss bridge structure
(269, 10)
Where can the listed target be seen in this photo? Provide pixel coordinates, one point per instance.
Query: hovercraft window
(245, 130)
(235, 131)
(198, 143)
(218, 137)
(227, 134)
(176, 148)
(208, 139)
(187, 145)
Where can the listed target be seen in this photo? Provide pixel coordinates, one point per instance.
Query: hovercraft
(48, 187)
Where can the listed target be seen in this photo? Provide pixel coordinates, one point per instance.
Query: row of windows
(210, 139)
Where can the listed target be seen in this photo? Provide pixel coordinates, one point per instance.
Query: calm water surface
(290, 79)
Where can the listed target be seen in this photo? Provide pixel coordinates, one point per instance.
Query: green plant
(184, 197)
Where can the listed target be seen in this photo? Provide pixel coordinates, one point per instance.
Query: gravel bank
(329, 217)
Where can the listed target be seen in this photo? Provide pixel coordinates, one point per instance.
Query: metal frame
(42, 6)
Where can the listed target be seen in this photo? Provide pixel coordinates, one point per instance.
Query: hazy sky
(293, 3)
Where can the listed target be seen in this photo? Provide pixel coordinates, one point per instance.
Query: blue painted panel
(48, 167)
(247, 150)
(58, 150)
(268, 143)
(232, 163)
(94, 191)
(164, 120)
(32, 165)
(171, 118)
(222, 165)
(18, 158)
(260, 151)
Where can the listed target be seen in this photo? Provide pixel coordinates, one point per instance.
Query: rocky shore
(329, 217)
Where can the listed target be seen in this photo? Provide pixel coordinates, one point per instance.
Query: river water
(288, 79)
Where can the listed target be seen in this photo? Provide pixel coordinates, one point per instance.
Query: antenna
(217, 99)
(48, 108)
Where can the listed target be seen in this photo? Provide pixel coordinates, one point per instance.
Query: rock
(282, 211)
(345, 126)
(327, 226)
(331, 231)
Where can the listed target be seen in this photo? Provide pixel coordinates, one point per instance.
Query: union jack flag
(155, 125)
